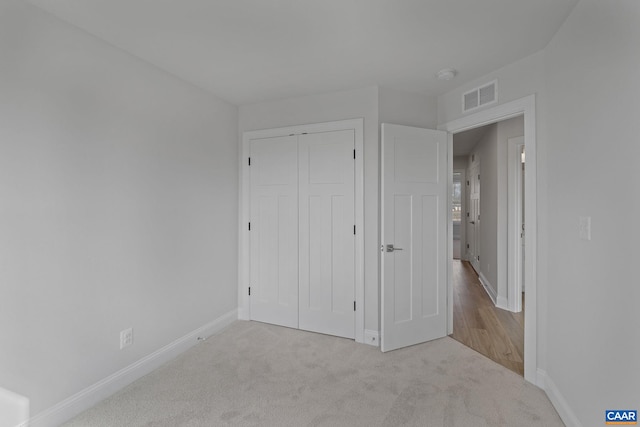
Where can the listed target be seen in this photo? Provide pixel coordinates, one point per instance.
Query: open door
(414, 232)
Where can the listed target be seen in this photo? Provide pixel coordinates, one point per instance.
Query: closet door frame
(357, 125)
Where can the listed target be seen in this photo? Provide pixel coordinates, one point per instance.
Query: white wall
(487, 151)
(118, 207)
(506, 129)
(407, 109)
(587, 91)
(592, 76)
(460, 162)
(516, 80)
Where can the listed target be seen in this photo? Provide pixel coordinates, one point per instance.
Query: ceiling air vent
(480, 96)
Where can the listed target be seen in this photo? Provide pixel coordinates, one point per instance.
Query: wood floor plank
(499, 336)
(478, 324)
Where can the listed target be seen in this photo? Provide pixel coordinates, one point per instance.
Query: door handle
(390, 248)
(472, 222)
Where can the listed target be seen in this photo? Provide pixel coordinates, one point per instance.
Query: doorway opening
(487, 304)
(457, 199)
(523, 106)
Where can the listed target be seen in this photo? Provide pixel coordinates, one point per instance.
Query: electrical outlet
(126, 338)
(584, 227)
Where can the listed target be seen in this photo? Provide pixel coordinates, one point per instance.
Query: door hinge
(354, 229)
(467, 246)
(467, 182)
(354, 306)
(478, 257)
(249, 161)
(249, 226)
(478, 177)
(354, 154)
(249, 290)
(467, 214)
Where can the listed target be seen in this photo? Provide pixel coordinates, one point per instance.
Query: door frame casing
(464, 206)
(514, 203)
(244, 259)
(524, 106)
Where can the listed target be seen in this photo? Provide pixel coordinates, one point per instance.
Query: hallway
(478, 324)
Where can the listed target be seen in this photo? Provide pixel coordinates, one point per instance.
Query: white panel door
(327, 240)
(274, 230)
(474, 217)
(414, 232)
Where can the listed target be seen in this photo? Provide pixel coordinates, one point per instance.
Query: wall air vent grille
(471, 100)
(480, 96)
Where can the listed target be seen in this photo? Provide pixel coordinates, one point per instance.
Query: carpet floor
(254, 374)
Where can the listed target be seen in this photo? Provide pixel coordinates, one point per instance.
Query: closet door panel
(326, 233)
(274, 230)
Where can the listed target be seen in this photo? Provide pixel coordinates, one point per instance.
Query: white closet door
(274, 230)
(327, 241)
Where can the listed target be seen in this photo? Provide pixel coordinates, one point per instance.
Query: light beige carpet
(253, 374)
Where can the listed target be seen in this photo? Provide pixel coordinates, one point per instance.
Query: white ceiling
(246, 51)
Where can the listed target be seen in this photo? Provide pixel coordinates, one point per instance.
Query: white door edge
(357, 125)
(526, 106)
(514, 246)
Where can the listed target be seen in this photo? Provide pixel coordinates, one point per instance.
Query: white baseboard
(487, 287)
(372, 337)
(541, 378)
(243, 314)
(557, 399)
(502, 303)
(104, 388)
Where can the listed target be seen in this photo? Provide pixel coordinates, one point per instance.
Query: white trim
(449, 233)
(567, 415)
(542, 378)
(486, 284)
(372, 337)
(357, 125)
(14, 408)
(502, 303)
(526, 106)
(85, 399)
(514, 206)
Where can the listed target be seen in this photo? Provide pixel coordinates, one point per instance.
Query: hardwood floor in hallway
(478, 324)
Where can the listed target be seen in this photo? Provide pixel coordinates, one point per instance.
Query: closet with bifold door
(302, 264)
